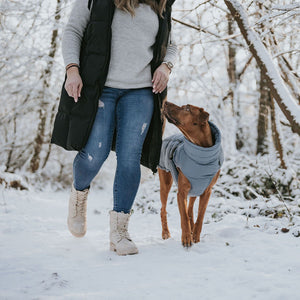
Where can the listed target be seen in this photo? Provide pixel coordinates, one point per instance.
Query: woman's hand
(160, 78)
(73, 83)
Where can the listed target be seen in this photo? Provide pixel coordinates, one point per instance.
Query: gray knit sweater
(131, 45)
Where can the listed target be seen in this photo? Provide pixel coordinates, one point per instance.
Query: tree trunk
(39, 139)
(263, 116)
(231, 68)
(275, 134)
(233, 80)
(264, 100)
(53, 111)
(8, 162)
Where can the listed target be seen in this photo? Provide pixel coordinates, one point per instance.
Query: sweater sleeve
(171, 54)
(73, 32)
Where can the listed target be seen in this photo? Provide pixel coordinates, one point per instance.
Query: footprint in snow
(55, 281)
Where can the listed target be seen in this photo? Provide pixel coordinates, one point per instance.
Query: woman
(118, 58)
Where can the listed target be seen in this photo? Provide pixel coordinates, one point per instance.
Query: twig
(280, 196)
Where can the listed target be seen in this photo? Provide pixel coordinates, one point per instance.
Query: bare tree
(43, 110)
(276, 135)
(264, 99)
(276, 85)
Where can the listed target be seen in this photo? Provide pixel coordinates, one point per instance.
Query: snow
(273, 73)
(237, 258)
(287, 7)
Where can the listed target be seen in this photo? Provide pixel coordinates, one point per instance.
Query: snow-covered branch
(280, 92)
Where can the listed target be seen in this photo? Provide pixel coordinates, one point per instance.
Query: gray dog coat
(198, 164)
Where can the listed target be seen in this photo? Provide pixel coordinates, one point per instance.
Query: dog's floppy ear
(203, 117)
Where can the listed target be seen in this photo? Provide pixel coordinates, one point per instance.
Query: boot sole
(79, 235)
(114, 249)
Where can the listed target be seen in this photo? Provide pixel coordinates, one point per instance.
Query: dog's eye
(187, 108)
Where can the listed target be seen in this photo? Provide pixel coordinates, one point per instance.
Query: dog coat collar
(198, 164)
(204, 154)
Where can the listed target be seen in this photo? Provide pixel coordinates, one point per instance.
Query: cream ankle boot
(120, 240)
(77, 212)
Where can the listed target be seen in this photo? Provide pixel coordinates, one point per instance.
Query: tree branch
(278, 89)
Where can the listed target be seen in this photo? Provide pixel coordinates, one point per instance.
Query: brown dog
(197, 133)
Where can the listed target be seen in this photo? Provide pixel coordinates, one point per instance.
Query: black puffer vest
(74, 121)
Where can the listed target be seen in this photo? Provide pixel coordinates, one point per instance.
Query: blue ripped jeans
(130, 112)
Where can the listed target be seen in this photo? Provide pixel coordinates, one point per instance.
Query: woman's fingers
(160, 79)
(74, 92)
(80, 88)
(74, 86)
(162, 83)
(156, 80)
(67, 88)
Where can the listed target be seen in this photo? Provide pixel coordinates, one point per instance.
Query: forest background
(252, 93)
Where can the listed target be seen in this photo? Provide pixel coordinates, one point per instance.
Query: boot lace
(124, 232)
(80, 207)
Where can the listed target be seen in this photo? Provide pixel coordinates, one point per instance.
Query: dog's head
(191, 120)
(186, 117)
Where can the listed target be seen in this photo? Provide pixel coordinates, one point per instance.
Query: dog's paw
(196, 235)
(186, 240)
(165, 235)
(196, 239)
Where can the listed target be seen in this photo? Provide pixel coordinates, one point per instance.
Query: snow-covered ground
(237, 258)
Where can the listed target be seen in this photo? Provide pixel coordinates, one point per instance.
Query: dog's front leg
(204, 198)
(166, 181)
(183, 190)
(191, 212)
